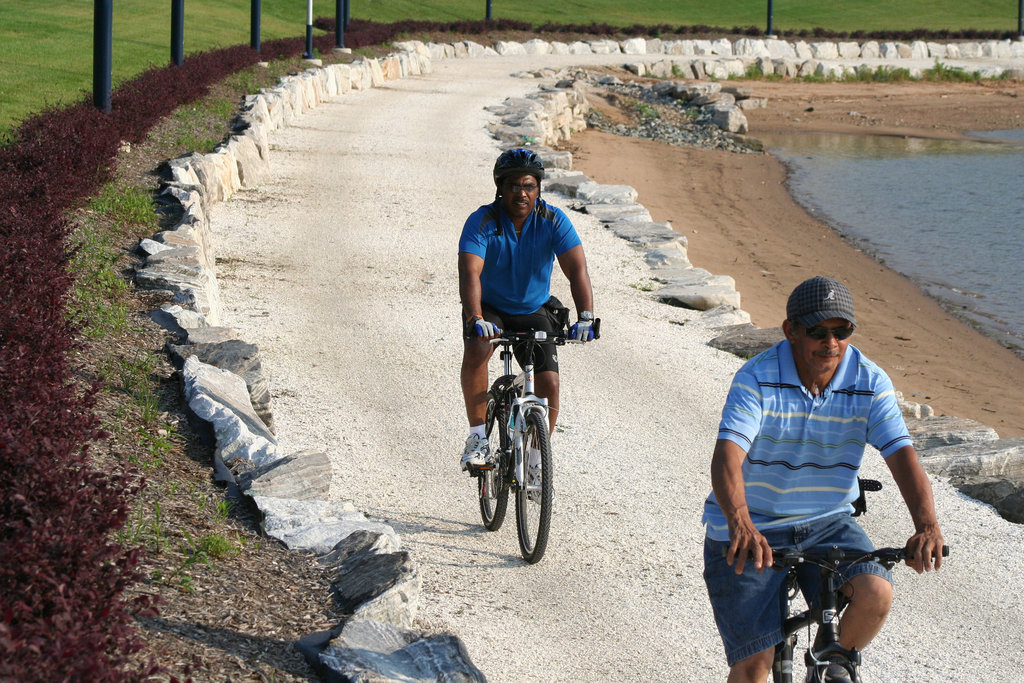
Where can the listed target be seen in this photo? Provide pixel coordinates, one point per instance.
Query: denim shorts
(750, 608)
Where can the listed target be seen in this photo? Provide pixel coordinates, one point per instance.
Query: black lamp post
(177, 32)
(769, 32)
(339, 23)
(103, 31)
(488, 10)
(309, 30)
(254, 25)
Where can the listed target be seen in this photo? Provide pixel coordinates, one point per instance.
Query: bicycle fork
(782, 667)
(521, 408)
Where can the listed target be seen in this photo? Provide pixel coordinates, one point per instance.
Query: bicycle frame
(826, 645)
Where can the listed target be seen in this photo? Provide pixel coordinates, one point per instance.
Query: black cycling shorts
(551, 317)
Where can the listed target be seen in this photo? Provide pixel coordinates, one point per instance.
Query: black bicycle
(824, 649)
(517, 429)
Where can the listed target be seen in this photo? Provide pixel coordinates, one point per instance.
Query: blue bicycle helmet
(517, 162)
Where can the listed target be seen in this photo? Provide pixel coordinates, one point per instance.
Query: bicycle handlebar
(887, 556)
(558, 337)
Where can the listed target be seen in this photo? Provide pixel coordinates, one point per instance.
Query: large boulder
(746, 341)
(1005, 495)
(371, 651)
(936, 432)
(315, 525)
(305, 475)
(729, 118)
(239, 357)
(647, 234)
(962, 461)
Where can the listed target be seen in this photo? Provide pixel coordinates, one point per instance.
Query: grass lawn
(868, 15)
(46, 48)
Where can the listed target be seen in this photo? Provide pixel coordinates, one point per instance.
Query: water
(947, 214)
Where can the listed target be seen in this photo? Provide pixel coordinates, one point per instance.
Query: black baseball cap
(818, 299)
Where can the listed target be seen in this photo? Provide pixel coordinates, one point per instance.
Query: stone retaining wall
(374, 582)
(723, 58)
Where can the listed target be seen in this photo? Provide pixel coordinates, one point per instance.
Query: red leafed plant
(64, 610)
(64, 614)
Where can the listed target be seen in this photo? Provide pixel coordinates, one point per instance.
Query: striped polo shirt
(804, 451)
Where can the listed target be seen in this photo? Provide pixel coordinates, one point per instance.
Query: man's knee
(754, 668)
(870, 591)
(547, 383)
(476, 352)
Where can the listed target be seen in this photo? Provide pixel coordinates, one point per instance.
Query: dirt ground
(740, 220)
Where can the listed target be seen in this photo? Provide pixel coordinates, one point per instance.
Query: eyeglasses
(819, 332)
(528, 189)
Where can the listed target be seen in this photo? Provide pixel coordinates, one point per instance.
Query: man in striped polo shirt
(784, 474)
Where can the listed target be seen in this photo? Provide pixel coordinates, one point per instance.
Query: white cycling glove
(484, 328)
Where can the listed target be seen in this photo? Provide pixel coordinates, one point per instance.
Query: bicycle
(825, 648)
(521, 461)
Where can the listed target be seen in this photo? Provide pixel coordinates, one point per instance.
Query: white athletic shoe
(476, 453)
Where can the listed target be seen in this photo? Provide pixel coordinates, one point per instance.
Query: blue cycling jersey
(516, 277)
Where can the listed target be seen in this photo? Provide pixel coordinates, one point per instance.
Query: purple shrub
(62, 616)
(63, 610)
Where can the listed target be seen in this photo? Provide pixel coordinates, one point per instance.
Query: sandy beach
(740, 220)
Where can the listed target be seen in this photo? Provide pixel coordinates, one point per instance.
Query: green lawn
(46, 49)
(869, 15)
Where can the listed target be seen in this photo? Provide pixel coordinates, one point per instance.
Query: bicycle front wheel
(535, 496)
(494, 482)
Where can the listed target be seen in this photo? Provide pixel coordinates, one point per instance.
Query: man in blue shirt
(784, 474)
(506, 256)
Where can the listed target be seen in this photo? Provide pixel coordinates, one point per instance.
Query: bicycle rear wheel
(494, 482)
(535, 496)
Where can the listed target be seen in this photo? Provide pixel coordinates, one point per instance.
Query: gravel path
(343, 271)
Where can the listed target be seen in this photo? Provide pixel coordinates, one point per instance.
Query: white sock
(479, 430)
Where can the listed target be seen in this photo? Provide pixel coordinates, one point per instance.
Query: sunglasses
(529, 188)
(820, 333)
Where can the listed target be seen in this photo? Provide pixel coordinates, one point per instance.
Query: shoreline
(741, 219)
(951, 300)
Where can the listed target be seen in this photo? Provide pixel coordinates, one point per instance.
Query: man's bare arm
(470, 268)
(730, 492)
(574, 264)
(925, 546)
